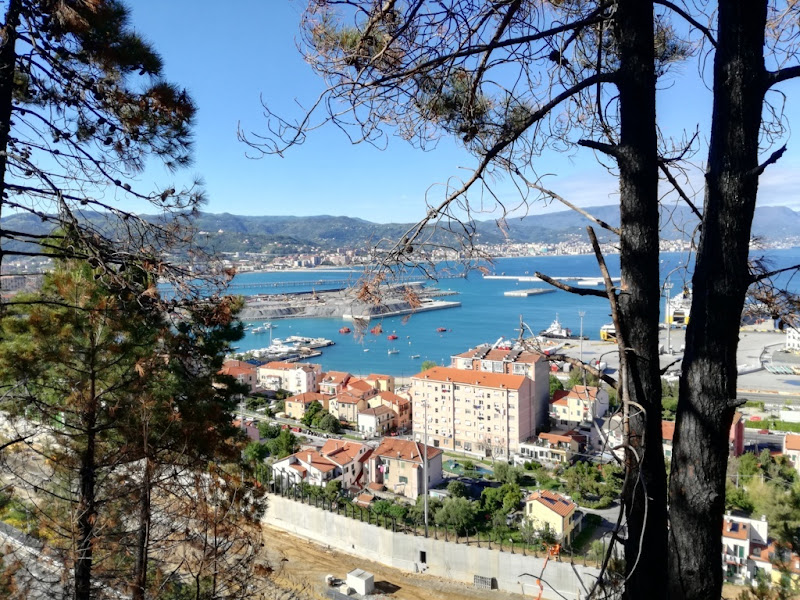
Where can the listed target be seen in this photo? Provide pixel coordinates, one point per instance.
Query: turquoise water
(484, 316)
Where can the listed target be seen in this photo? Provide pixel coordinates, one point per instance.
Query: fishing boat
(391, 337)
(415, 356)
(441, 329)
(393, 351)
(366, 349)
(344, 330)
(377, 329)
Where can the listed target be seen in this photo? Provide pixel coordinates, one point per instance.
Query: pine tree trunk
(8, 55)
(87, 505)
(645, 492)
(708, 383)
(143, 541)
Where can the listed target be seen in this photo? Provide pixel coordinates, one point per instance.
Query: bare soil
(300, 566)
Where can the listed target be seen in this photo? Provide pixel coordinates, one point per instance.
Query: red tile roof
(377, 411)
(476, 378)
(307, 398)
(496, 354)
(348, 398)
(404, 450)
(335, 377)
(359, 385)
(555, 437)
(583, 392)
(378, 377)
(792, 441)
(667, 430)
(341, 451)
(555, 502)
(734, 530)
(394, 398)
(559, 394)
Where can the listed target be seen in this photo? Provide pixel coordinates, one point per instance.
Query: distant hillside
(281, 234)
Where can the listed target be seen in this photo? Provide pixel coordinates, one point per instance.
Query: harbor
(529, 292)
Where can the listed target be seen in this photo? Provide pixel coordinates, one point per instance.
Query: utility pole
(581, 314)
(425, 462)
(667, 319)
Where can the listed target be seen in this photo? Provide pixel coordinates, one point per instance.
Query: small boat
(441, 329)
(393, 351)
(391, 337)
(415, 356)
(377, 329)
(258, 330)
(366, 349)
(344, 330)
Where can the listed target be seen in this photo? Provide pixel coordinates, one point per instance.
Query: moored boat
(344, 330)
(557, 331)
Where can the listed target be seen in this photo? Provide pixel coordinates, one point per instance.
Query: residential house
(580, 405)
(735, 436)
(400, 405)
(295, 406)
(552, 448)
(244, 372)
(382, 383)
(504, 359)
(375, 421)
(742, 538)
(250, 428)
(791, 448)
(792, 338)
(485, 414)
(546, 508)
(398, 465)
(346, 405)
(333, 382)
(295, 378)
(336, 460)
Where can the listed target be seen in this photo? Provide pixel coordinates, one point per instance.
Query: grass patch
(775, 424)
(590, 525)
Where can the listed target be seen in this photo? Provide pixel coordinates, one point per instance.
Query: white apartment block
(486, 414)
(581, 405)
(296, 378)
(792, 339)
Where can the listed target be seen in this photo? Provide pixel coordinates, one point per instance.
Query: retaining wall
(513, 572)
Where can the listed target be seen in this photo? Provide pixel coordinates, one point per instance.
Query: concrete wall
(460, 562)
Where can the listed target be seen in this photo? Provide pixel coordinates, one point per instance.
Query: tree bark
(8, 60)
(143, 539)
(644, 495)
(720, 281)
(87, 505)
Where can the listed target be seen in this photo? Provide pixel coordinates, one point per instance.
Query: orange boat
(391, 337)
(377, 329)
(441, 329)
(344, 330)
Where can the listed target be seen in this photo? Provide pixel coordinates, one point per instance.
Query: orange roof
(555, 437)
(378, 377)
(496, 354)
(404, 450)
(561, 402)
(314, 459)
(378, 487)
(734, 530)
(477, 378)
(583, 392)
(281, 366)
(364, 499)
(667, 430)
(335, 377)
(558, 395)
(359, 385)
(555, 502)
(792, 442)
(236, 370)
(377, 411)
(307, 398)
(394, 398)
(348, 398)
(341, 451)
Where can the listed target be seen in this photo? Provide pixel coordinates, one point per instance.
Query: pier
(581, 280)
(528, 292)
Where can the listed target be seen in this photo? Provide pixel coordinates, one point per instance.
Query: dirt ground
(301, 566)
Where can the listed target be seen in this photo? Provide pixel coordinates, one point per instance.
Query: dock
(528, 292)
(583, 281)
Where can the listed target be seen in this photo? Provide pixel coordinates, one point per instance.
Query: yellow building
(545, 508)
(295, 406)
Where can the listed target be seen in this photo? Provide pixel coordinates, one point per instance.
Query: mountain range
(281, 234)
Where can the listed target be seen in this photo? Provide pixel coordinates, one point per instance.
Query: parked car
(763, 431)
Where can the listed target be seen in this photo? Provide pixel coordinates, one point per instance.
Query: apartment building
(337, 460)
(295, 406)
(743, 540)
(295, 378)
(487, 414)
(375, 421)
(382, 383)
(242, 371)
(501, 358)
(400, 405)
(552, 448)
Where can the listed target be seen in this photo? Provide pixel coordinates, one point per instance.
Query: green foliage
(755, 404)
(268, 430)
(333, 489)
(398, 511)
(381, 507)
(468, 466)
(428, 364)
(280, 405)
(774, 424)
(327, 422)
(255, 452)
(311, 412)
(592, 485)
(283, 445)
(505, 498)
(457, 489)
(505, 473)
(555, 385)
(579, 376)
(737, 498)
(458, 513)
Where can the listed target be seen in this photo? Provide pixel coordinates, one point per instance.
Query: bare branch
(773, 158)
(674, 182)
(580, 291)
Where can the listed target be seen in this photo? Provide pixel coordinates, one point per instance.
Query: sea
(485, 314)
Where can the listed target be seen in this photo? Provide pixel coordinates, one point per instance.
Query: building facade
(486, 414)
(397, 464)
(295, 378)
(548, 509)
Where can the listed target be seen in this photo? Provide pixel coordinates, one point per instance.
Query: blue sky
(230, 55)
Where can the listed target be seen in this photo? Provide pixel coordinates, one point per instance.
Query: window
(403, 479)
